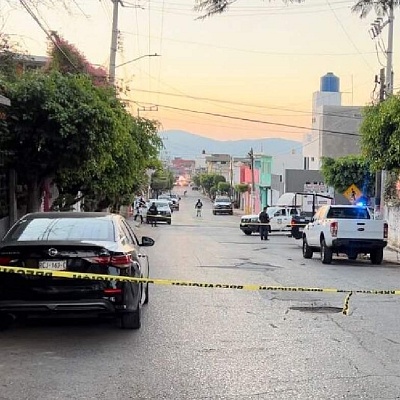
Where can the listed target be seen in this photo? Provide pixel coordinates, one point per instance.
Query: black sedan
(96, 243)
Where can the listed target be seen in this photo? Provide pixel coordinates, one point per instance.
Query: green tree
(62, 126)
(348, 170)
(196, 180)
(162, 180)
(207, 181)
(213, 191)
(242, 187)
(224, 187)
(380, 130)
(218, 179)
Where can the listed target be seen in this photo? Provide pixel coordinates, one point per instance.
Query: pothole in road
(320, 310)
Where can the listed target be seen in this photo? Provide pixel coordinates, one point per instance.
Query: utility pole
(386, 90)
(143, 108)
(114, 41)
(231, 177)
(378, 174)
(251, 155)
(389, 91)
(389, 52)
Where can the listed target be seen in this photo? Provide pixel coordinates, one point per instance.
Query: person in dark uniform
(152, 214)
(264, 224)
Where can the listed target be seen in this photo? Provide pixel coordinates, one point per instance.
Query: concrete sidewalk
(391, 255)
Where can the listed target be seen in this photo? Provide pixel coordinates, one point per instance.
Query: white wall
(393, 219)
(281, 162)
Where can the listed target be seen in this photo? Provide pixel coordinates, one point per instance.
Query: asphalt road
(198, 343)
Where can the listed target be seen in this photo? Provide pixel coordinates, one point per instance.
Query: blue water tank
(330, 83)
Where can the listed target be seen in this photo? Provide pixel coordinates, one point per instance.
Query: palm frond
(381, 7)
(212, 7)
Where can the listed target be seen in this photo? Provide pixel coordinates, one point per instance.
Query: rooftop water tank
(330, 83)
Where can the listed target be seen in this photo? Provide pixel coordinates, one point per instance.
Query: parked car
(222, 205)
(346, 229)
(249, 224)
(164, 210)
(279, 217)
(173, 201)
(86, 242)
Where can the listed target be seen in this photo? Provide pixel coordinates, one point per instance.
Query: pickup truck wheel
(376, 256)
(352, 256)
(307, 252)
(326, 253)
(247, 232)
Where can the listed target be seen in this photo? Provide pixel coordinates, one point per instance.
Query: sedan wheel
(131, 319)
(146, 293)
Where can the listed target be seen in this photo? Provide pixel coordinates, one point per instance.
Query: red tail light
(122, 261)
(334, 228)
(112, 292)
(5, 260)
(102, 260)
(385, 230)
(292, 223)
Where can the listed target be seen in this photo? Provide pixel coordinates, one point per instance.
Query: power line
(249, 119)
(246, 104)
(348, 36)
(269, 53)
(48, 34)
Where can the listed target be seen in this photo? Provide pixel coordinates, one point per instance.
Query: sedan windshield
(48, 229)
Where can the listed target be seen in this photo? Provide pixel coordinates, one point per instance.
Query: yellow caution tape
(249, 287)
(346, 307)
(118, 278)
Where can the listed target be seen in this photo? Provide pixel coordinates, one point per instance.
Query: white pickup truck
(345, 229)
(279, 217)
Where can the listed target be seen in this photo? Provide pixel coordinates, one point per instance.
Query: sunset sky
(260, 61)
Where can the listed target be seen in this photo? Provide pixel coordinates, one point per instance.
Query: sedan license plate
(55, 265)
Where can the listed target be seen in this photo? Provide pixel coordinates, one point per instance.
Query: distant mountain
(188, 145)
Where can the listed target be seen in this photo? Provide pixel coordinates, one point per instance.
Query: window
(44, 229)
(130, 230)
(348, 213)
(125, 233)
(280, 213)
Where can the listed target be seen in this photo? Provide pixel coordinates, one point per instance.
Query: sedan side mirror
(147, 241)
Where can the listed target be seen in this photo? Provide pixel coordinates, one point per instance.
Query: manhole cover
(322, 310)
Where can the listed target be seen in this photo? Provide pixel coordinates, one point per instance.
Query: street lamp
(138, 58)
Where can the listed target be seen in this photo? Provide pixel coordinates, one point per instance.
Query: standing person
(198, 206)
(142, 212)
(152, 214)
(136, 208)
(264, 224)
